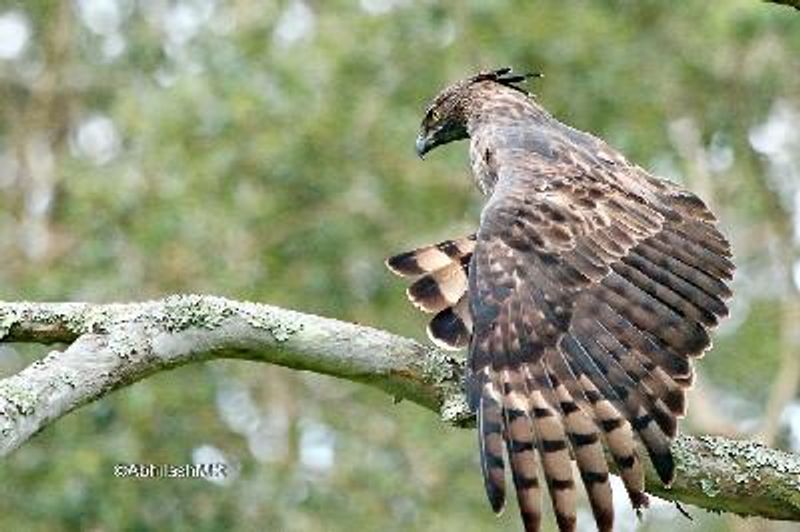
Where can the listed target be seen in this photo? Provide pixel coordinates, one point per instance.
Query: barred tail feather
(626, 401)
(556, 461)
(616, 430)
(490, 445)
(521, 449)
(588, 452)
(440, 289)
(441, 271)
(451, 328)
(430, 258)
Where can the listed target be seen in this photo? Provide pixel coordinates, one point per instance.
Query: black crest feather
(506, 76)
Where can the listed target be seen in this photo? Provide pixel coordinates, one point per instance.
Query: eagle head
(447, 115)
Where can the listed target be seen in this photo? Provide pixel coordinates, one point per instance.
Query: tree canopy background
(263, 150)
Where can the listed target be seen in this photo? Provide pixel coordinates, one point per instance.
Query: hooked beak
(422, 146)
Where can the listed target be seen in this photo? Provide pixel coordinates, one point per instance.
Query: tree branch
(112, 346)
(792, 3)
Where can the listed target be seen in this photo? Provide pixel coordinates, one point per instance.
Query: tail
(440, 273)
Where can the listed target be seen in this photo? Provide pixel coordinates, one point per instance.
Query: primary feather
(584, 296)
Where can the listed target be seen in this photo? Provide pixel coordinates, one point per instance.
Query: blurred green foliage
(263, 151)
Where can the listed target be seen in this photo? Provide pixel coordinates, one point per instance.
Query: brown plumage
(585, 295)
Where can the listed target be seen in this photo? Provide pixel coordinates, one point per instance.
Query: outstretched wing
(589, 303)
(588, 295)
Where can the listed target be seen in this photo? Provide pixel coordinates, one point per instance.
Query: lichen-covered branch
(111, 346)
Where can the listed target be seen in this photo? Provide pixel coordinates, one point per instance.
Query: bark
(108, 347)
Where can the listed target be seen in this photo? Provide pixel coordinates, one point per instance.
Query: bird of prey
(584, 298)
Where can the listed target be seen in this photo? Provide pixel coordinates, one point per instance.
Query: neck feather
(496, 106)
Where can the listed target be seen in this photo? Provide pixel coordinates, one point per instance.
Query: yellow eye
(435, 115)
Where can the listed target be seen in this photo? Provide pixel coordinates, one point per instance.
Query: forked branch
(111, 346)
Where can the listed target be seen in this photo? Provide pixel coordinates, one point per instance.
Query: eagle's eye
(435, 115)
